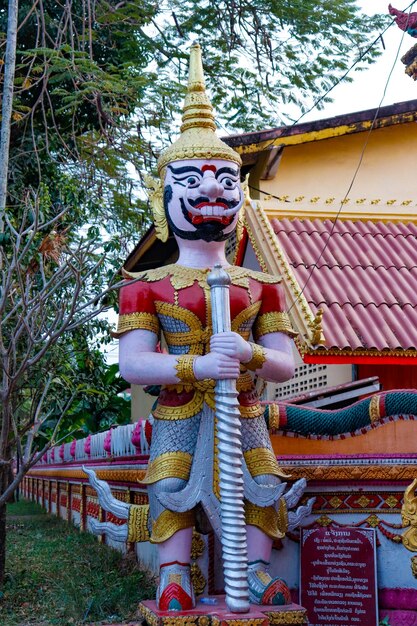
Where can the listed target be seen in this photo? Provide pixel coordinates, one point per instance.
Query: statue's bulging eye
(228, 182)
(191, 180)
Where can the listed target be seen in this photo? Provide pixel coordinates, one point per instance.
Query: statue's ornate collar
(181, 276)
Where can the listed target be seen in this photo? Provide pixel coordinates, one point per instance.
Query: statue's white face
(202, 198)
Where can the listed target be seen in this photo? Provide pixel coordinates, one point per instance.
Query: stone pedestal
(219, 615)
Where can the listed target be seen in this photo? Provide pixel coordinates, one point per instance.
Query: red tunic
(175, 301)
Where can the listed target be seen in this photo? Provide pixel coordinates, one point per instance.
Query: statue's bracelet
(258, 357)
(185, 368)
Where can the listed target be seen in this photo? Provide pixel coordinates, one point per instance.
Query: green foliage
(99, 87)
(262, 56)
(101, 83)
(64, 577)
(80, 370)
(97, 405)
(98, 90)
(76, 89)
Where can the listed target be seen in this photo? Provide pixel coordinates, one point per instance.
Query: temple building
(334, 213)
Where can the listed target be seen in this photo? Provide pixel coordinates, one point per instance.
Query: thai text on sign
(338, 576)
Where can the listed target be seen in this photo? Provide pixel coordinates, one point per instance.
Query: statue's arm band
(258, 357)
(185, 368)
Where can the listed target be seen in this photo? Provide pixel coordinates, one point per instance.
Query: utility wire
(361, 56)
(315, 265)
(326, 93)
(336, 218)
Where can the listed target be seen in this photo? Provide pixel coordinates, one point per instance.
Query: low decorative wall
(351, 490)
(120, 457)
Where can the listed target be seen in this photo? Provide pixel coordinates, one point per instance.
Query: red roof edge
(357, 359)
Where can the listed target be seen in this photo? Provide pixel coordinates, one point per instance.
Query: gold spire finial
(198, 139)
(196, 80)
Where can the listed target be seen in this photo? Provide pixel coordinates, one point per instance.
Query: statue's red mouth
(211, 211)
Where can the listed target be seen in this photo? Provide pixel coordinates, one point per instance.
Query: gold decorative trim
(240, 226)
(259, 228)
(287, 618)
(137, 525)
(273, 418)
(204, 392)
(119, 475)
(272, 523)
(280, 617)
(410, 353)
(262, 461)
(257, 359)
(198, 139)
(409, 517)
(171, 464)
(196, 333)
(197, 579)
(133, 321)
(273, 322)
(243, 317)
(366, 212)
(316, 326)
(284, 211)
(181, 276)
(185, 368)
(197, 546)
(374, 412)
(360, 473)
(414, 566)
(283, 515)
(191, 408)
(148, 615)
(156, 200)
(251, 621)
(244, 382)
(168, 523)
(252, 411)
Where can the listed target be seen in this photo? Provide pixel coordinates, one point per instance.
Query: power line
(358, 60)
(315, 265)
(342, 78)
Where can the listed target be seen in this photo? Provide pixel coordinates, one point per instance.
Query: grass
(57, 576)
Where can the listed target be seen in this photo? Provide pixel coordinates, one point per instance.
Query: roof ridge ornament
(198, 139)
(316, 326)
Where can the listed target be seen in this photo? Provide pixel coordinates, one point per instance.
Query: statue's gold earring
(156, 200)
(240, 226)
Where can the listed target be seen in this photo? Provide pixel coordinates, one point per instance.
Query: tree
(48, 291)
(7, 102)
(100, 401)
(99, 83)
(266, 61)
(97, 90)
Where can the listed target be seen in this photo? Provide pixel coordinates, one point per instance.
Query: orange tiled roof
(363, 275)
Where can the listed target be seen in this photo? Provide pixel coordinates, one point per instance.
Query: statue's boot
(263, 589)
(175, 591)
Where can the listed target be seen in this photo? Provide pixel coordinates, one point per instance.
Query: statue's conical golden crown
(198, 139)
